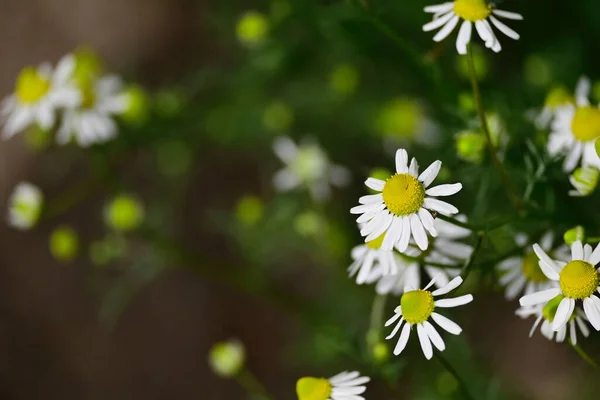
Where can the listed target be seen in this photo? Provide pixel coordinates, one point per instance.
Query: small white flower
(93, 122)
(401, 210)
(578, 281)
(416, 307)
(307, 165)
(368, 258)
(547, 314)
(522, 274)
(557, 98)
(447, 15)
(343, 386)
(575, 130)
(38, 93)
(584, 180)
(25, 206)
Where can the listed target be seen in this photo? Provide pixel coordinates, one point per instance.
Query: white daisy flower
(343, 386)
(447, 15)
(445, 249)
(416, 306)
(575, 130)
(307, 165)
(368, 258)
(557, 98)
(584, 180)
(578, 279)
(38, 93)
(522, 275)
(93, 121)
(401, 210)
(547, 314)
(25, 206)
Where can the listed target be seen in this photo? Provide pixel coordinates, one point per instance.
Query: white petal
(577, 250)
(464, 37)
(427, 221)
(365, 208)
(397, 314)
(444, 190)
(591, 312)
(535, 325)
(454, 302)
(395, 330)
(392, 235)
(402, 340)
(365, 268)
(573, 157)
(563, 313)
(439, 206)
(418, 232)
(582, 91)
(425, 343)
(401, 161)
(434, 336)
(573, 332)
(405, 236)
(343, 377)
(548, 265)
(437, 22)
(446, 30)
(508, 14)
(447, 324)
(539, 297)
(595, 257)
(454, 283)
(381, 228)
(504, 28)
(413, 168)
(440, 7)
(285, 180)
(371, 199)
(376, 223)
(484, 34)
(375, 184)
(285, 149)
(430, 173)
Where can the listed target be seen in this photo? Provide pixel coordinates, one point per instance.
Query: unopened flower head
(124, 213)
(25, 206)
(584, 180)
(575, 130)
(574, 234)
(402, 207)
(227, 358)
(64, 243)
(472, 12)
(577, 280)
(522, 275)
(307, 165)
(546, 314)
(39, 92)
(343, 386)
(417, 307)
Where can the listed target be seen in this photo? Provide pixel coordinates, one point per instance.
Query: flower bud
(137, 109)
(124, 213)
(64, 244)
(574, 234)
(227, 358)
(584, 180)
(252, 28)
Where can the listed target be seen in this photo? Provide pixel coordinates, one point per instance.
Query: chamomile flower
(307, 165)
(93, 121)
(369, 257)
(478, 12)
(522, 275)
(38, 93)
(575, 129)
(402, 208)
(343, 386)
(546, 314)
(557, 98)
(578, 280)
(25, 206)
(417, 307)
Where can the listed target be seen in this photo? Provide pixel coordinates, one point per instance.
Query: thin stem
(452, 371)
(484, 126)
(252, 385)
(595, 239)
(585, 356)
(469, 264)
(377, 315)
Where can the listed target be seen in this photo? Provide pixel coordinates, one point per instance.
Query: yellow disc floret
(586, 123)
(403, 194)
(31, 86)
(472, 10)
(88, 93)
(531, 268)
(376, 243)
(578, 280)
(416, 306)
(309, 388)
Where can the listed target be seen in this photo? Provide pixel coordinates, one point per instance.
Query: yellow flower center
(531, 268)
(472, 10)
(403, 194)
(586, 123)
(309, 388)
(376, 243)
(578, 280)
(417, 306)
(31, 86)
(88, 94)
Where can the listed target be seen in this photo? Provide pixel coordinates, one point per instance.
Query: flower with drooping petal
(343, 386)
(416, 307)
(38, 94)
(547, 314)
(402, 208)
(473, 12)
(578, 280)
(25, 206)
(307, 165)
(521, 274)
(575, 130)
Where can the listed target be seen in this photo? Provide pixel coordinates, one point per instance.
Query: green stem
(469, 264)
(595, 239)
(252, 385)
(452, 371)
(484, 126)
(377, 311)
(585, 356)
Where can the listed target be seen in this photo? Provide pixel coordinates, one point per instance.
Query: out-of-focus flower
(227, 359)
(88, 65)
(369, 256)
(124, 213)
(137, 106)
(522, 274)
(578, 281)
(278, 117)
(344, 79)
(473, 12)
(252, 28)
(403, 120)
(575, 129)
(64, 243)
(584, 180)
(401, 208)
(547, 314)
(249, 210)
(574, 234)
(470, 146)
(307, 165)
(25, 206)
(380, 352)
(343, 386)
(416, 307)
(557, 97)
(38, 94)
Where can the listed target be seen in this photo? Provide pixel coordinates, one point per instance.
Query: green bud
(64, 244)
(344, 79)
(278, 117)
(252, 28)
(380, 352)
(470, 146)
(574, 234)
(226, 359)
(124, 213)
(584, 180)
(250, 210)
(137, 110)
